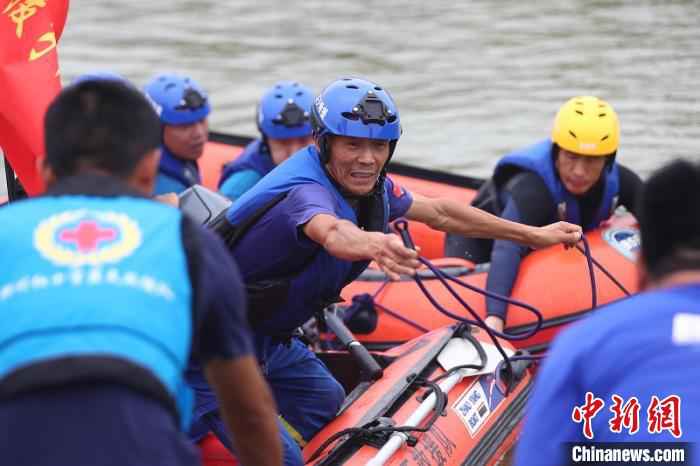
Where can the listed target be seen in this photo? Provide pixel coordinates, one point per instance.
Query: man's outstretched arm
(456, 217)
(343, 239)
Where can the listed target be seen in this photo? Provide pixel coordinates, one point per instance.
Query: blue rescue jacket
(322, 277)
(241, 174)
(174, 174)
(538, 159)
(95, 289)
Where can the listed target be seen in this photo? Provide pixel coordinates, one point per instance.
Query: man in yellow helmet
(573, 176)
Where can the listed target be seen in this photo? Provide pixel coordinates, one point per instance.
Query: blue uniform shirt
(645, 346)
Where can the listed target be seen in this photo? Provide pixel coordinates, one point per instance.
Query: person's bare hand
(392, 257)
(168, 198)
(494, 323)
(560, 232)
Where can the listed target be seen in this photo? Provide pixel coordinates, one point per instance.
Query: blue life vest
(175, 174)
(323, 277)
(88, 276)
(538, 159)
(255, 157)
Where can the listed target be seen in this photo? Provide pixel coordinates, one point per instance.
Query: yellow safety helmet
(587, 125)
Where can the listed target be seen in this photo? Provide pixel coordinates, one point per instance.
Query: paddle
(369, 367)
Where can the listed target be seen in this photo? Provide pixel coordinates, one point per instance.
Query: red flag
(29, 80)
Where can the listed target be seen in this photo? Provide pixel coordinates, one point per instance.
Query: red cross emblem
(87, 235)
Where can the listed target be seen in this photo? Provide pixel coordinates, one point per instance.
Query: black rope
(591, 274)
(605, 271)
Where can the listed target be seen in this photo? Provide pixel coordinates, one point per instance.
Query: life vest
(255, 157)
(538, 159)
(282, 302)
(175, 174)
(88, 277)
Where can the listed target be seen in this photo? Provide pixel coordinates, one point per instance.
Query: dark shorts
(91, 425)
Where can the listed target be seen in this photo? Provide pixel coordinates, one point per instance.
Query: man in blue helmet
(629, 372)
(106, 295)
(283, 118)
(314, 223)
(183, 107)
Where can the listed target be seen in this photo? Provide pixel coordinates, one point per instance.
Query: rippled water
(473, 79)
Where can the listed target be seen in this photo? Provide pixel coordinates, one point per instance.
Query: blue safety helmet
(357, 108)
(178, 100)
(284, 111)
(101, 76)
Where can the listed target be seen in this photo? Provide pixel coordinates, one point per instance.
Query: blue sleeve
(222, 329)
(238, 183)
(306, 201)
(505, 262)
(400, 200)
(558, 386)
(276, 244)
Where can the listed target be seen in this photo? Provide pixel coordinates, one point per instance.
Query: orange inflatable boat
(445, 398)
(476, 424)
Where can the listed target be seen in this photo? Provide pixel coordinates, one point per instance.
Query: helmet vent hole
(347, 79)
(572, 134)
(579, 112)
(377, 88)
(605, 137)
(352, 86)
(278, 96)
(350, 116)
(169, 86)
(601, 115)
(299, 93)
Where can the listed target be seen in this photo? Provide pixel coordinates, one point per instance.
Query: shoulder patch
(398, 191)
(686, 329)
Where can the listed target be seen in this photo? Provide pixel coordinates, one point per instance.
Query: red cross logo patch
(83, 237)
